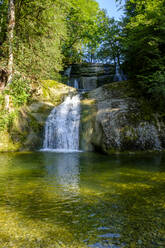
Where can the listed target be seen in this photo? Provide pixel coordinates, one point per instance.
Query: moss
(7, 144)
(34, 124)
(143, 109)
(50, 83)
(88, 114)
(129, 133)
(54, 91)
(124, 85)
(121, 89)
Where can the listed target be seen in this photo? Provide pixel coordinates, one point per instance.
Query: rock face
(114, 120)
(27, 129)
(90, 76)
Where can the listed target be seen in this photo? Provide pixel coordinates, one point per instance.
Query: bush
(19, 91)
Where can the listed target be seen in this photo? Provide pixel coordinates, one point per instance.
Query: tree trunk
(91, 59)
(11, 27)
(118, 59)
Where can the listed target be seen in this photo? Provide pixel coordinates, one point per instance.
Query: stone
(90, 76)
(117, 122)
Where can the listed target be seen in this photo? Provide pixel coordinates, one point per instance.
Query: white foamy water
(62, 126)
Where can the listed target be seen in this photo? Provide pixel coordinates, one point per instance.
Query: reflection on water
(80, 200)
(65, 168)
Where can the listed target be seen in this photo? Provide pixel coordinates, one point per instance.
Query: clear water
(82, 200)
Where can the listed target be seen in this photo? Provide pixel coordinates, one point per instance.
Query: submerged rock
(116, 121)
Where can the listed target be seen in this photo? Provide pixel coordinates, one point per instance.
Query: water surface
(53, 200)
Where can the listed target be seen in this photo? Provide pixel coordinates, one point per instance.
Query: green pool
(53, 200)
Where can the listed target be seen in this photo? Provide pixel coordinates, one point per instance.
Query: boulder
(114, 120)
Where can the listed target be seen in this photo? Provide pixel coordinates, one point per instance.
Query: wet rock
(90, 76)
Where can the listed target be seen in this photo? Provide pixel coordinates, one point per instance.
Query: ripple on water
(81, 200)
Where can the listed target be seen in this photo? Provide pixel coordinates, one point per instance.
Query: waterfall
(76, 84)
(119, 75)
(62, 126)
(67, 72)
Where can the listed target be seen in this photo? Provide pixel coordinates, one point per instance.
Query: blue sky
(111, 7)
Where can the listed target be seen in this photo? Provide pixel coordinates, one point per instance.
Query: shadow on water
(82, 200)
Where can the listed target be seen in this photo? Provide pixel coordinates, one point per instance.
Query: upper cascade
(76, 84)
(89, 76)
(119, 75)
(62, 126)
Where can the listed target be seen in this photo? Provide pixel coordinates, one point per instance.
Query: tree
(11, 27)
(3, 26)
(81, 21)
(95, 37)
(110, 49)
(145, 45)
(48, 34)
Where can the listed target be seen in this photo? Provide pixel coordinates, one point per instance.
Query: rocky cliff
(113, 120)
(90, 76)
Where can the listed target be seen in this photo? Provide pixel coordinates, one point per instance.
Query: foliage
(82, 26)
(95, 37)
(40, 28)
(3, 20)
(51, 34)
(19, 91)
(48, 34)
(6, 118)
(144, 45)
(111, 46)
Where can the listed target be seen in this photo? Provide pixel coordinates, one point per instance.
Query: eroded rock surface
(113, 120)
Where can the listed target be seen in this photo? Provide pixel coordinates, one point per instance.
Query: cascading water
(76, 84)
(119, 75)
(62, 126)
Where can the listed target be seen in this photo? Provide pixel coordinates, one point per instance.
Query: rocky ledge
(114, 120)
(90, 76)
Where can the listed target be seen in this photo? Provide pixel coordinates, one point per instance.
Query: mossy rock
(54, 92)
(7, 143)
(27, 127)
(88, 113)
